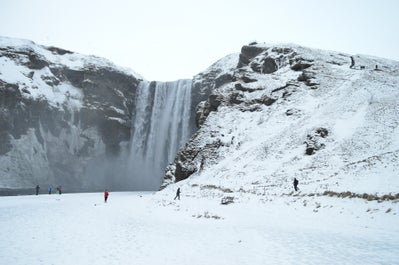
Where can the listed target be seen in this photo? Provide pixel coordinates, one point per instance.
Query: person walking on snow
(106, 196)
(177, 194)
(37, 189)
(296, 182)
(50, 189)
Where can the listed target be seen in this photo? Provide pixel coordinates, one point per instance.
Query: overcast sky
(170, 39)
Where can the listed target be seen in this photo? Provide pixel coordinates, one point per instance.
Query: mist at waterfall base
(162, 122)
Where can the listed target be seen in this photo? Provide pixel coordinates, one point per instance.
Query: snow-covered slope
(286, 112)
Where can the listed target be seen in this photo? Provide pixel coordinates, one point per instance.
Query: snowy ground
(145, 228)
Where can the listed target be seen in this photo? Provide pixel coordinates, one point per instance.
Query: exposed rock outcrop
(314, 141)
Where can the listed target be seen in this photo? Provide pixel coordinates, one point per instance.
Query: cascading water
(161, 125)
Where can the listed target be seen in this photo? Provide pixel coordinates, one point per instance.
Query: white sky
(172, 39)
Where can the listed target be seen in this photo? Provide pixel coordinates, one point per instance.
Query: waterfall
(161, 125)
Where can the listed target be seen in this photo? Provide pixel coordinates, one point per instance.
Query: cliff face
(265, 115)
(63, 116)
(276, 112)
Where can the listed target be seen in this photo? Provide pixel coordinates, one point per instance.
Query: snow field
(145, 228)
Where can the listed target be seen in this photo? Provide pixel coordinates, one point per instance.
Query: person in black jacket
(296, 182)
(177, 194)
(352, 62)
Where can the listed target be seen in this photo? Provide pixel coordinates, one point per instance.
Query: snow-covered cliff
(282, 111)
(63, 116)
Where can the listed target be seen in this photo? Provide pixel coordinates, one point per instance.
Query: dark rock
(194, 154)
(30, 75)
(248, 52)
(59, 51)
(204, 101)
(283, 51)
(51, 81)
(227, 200)
(240, 87)
(323, 132)
(76, 77)
(204, 108)
(202, 111)
(247, 79)
(304, 77)
(223, 79)
(184, 166)
(183, 172)
(36, 61)
(314, 140)
(265, 100)
(214, 101)
(251, 108)
(268, 66)
(308, 78)
(300, 65)
(9, 94)
(290, 112)
(309, 151)
(236, 98)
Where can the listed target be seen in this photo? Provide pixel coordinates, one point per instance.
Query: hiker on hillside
(352, 62)
(177, 194)
(37, 189)
(106, 196)
(296, 182)
(50, 189)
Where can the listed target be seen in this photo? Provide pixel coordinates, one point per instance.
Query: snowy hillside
(289, 112)
(283, 112)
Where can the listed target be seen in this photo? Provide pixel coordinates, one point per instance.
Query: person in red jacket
(106, 196)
